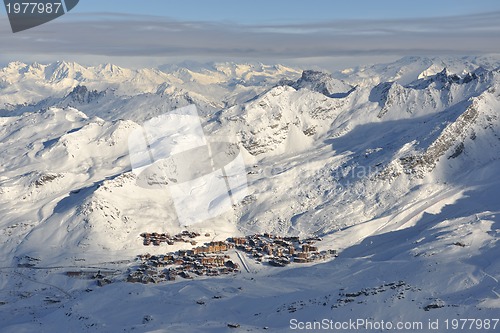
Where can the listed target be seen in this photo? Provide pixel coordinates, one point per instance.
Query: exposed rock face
(46, 178)
(323, 83)
(82, 95)
(452, 136)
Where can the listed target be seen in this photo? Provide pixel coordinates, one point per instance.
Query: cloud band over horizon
(122, 35)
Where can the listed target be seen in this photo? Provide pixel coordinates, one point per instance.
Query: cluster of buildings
(102, 279)
(212, 259)
(207, 260)
(281, 251)
(158, 238)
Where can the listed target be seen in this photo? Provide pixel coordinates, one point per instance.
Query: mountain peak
(16, 64)
(110, 68)
(323, 83)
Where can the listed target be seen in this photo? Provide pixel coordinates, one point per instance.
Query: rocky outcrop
(453, 135)
(81, 94)
(323, 83)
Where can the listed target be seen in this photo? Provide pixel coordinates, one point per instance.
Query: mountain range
(394, 165)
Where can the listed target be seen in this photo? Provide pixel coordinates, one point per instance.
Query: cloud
(113, 35)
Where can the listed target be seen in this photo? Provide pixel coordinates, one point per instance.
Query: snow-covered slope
(394, 165)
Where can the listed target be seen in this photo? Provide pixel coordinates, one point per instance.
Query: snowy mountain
(31, 87)
(322, 83)
(394, 165)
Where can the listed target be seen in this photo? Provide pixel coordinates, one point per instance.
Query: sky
(317, 33)
(288, 11)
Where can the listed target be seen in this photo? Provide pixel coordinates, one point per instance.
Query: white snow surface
(394, 165)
